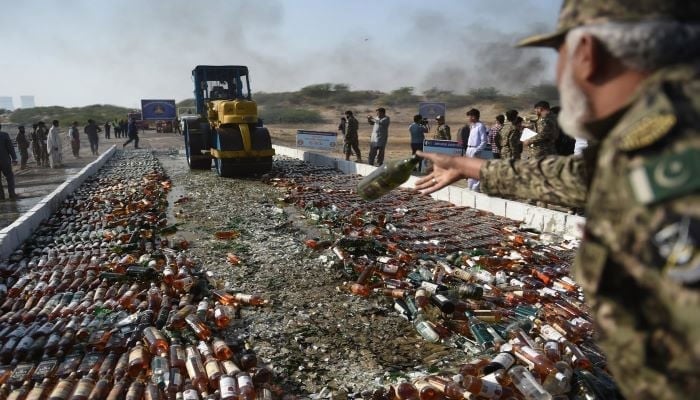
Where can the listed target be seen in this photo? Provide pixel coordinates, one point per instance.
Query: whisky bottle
(221, 350)
(84, 388)
(385, 178)
(64, 388)
(21, 392)
(246, 390)
(195, 369)
(155, 341)
(138, 360)
(527, 385)
(136, 389)
(177, 354)
(198, 327)
(117, 391)
(40, 390)
(222, 315)
(213, 370)
(101, 389)
(160, 368)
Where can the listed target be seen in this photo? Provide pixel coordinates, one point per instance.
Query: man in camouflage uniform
(509, 137)
(629, 80)
(41, 134)
(547, 130)
(352, 139)
(443, 130)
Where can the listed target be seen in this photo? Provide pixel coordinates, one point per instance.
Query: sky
(81, 52)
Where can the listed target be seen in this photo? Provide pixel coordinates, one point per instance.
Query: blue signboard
(442, 146)
(431, 110)
(158, 109)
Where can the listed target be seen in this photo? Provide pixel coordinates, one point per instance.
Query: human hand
(445, 171)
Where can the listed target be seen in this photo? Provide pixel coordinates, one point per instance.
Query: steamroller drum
(228, 138)
(194, 143)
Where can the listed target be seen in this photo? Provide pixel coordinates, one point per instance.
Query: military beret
(575, 13)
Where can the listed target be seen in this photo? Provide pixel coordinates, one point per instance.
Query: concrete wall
(542, 219)
(13, 235)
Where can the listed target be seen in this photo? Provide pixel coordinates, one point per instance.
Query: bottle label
(227, 385)
(505, 360)
(190, 394)
(429, 286)
(490, 390)
(212, 368)
(244, 380)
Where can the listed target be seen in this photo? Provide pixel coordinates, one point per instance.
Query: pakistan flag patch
(666, 177)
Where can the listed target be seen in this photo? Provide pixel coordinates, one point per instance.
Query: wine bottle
(386, 178)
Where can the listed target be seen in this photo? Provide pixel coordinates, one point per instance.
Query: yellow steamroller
(227, 128)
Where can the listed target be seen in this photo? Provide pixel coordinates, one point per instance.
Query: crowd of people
(502, 139)
(46, 145)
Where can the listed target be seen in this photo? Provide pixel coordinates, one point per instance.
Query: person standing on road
(91, 130)
(417, 130)
(543, 144)
(627, 74)
(352, 140)
(442, 132)
(477, 143)
(54, 146)
(495, 136)
(42, 134)
(108, 127)
(380, 135)
(133, 132)
(508, 138)
(8, 157)
(74, 136)
(23, 146)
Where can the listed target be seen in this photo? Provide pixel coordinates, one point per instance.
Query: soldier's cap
(440, 117)
(575, 13)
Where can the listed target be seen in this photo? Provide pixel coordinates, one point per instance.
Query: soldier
(352, 141)
(41, 134)
(547, 130)
(628, 77)
(7, 158)
(509, 137)
(23, 146)
(443, 130)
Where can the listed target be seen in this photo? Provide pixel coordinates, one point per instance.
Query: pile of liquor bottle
(97, 305)
(469, 280)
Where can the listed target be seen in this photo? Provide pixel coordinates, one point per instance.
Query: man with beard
(628, 76)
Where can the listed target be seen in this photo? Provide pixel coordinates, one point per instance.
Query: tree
(319, 90)
(341, 87)
(400, 96)
(544, 91)
(486, 93)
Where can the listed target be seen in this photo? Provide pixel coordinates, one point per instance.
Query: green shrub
(283, 115)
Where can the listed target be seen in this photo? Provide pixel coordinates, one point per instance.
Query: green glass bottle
(386, 178)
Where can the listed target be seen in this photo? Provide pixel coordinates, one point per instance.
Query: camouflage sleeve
(448, 135)
(554, 179)
(547, 132)
(513, 139)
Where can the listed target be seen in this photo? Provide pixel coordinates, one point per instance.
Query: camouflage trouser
(23, 157)
(36, 151)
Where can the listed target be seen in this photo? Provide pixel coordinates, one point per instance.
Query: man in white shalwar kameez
(54, 146)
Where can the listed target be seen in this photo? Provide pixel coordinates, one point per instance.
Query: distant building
(27, 101)
(6, 103)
